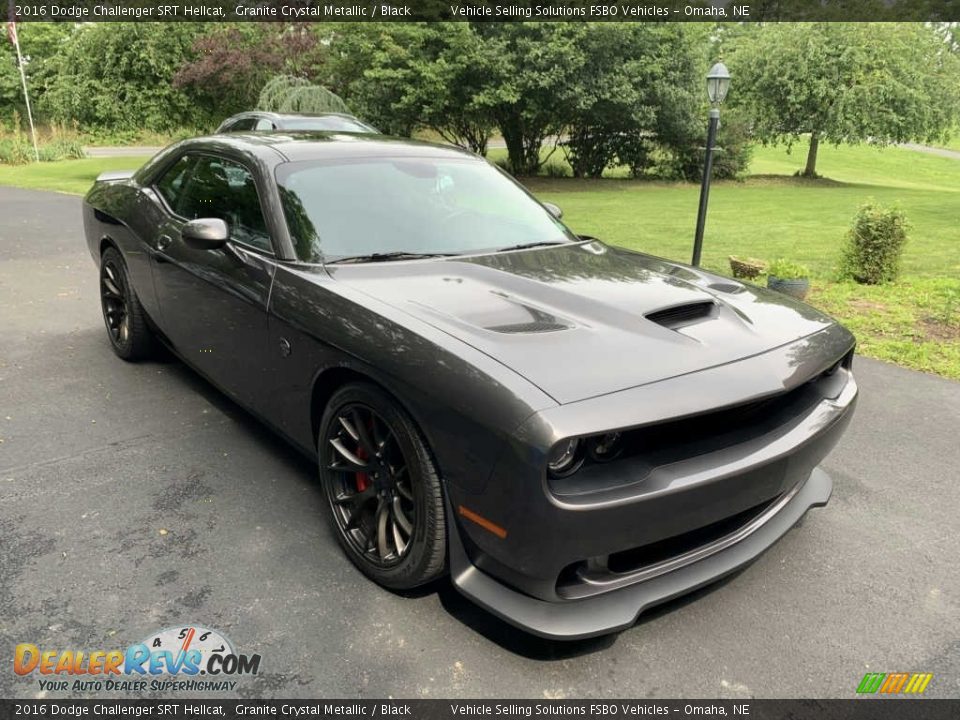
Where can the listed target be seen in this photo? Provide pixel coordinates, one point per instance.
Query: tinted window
(241, 125)
(264, 125)
(218, 188)
(358, 206)
(170, 186)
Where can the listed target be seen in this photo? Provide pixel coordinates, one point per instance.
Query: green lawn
(68, 176)
(915, 322)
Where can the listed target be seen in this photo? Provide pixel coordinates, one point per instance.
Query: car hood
(586, 319)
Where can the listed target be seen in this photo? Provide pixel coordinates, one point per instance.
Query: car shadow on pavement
(272, 441)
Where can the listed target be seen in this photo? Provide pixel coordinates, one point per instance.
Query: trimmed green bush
(874, 245)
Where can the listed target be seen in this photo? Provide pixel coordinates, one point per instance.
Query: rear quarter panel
(126, 216)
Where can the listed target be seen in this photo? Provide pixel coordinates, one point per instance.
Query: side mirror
(205, 234)
(553, 210)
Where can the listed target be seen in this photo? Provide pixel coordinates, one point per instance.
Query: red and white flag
(12, 32)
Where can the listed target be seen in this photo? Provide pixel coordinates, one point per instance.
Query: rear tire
(383, 491)
(126, 322)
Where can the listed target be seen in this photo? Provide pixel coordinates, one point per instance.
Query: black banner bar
(482, 10)
(865, 708)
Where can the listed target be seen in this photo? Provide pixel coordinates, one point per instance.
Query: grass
(914, 322)
(67, 176)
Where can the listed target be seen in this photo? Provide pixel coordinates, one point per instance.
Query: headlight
(565, 458)
(605, 447)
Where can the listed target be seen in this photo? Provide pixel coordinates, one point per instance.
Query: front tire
(382, 487)
(126, 321)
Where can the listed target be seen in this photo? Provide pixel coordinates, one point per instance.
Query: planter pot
(746, 268)
(797, 288)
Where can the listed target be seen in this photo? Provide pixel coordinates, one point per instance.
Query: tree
(845, 83)
(410, 75)
(39, 44)
(286, 93)
(529, 66)
(118, 77)
(638, 90)
(230, 64)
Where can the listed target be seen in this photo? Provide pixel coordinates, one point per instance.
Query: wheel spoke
(351, 431)
(356, 498)
(398, 540)
(112, 289)
(361, 427)
(353, 462)
(379, 439)
(382, 516)
(404, 491)
(359, 503)
(401, 517)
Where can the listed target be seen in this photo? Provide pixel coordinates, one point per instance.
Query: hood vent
(680, 315)
(530, 327)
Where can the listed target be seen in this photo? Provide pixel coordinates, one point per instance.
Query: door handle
(163, 242)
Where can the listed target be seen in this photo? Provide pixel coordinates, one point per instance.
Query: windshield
(351, 207)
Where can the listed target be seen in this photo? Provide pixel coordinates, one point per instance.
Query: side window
(264, 124)
(241, 125)
(170, 186)
(222, 189)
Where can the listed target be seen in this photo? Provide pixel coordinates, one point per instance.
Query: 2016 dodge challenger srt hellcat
(573, 431)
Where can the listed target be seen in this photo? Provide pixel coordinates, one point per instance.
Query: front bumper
(618, 609)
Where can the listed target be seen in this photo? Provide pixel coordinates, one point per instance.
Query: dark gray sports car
(572, 431)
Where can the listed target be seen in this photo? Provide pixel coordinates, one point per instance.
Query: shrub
(555, 170)
(874, 245)
(53, 143)
(731, 155)
(786, 270)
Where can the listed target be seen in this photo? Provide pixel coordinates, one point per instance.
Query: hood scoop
(680, 316)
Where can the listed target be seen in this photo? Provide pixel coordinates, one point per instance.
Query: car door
(214, 302)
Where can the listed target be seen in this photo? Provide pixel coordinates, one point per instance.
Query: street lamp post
(718, 82)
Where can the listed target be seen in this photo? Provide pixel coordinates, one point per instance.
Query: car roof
(320, 145)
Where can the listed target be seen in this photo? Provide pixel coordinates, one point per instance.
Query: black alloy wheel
(124, 317)
(382, 488)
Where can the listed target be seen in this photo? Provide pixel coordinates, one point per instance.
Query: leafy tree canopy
(118, 76)
(846, 83)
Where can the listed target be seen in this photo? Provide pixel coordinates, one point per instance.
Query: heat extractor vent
(680, 315)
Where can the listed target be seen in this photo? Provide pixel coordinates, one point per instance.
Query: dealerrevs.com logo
(172, 659)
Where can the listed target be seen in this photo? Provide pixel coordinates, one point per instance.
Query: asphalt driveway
(136, 497)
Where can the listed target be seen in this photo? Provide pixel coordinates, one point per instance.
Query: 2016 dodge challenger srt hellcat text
(573, 431)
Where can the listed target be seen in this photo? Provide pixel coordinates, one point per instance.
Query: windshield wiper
(539, 243)
(387, 256)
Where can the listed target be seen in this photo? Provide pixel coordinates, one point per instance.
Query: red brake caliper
(363, 480)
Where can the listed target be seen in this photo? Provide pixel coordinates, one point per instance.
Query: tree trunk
(810, 170)
(513, 139)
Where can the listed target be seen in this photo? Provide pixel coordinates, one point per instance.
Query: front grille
(647, 448)
(582, 579)
(646, 555)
